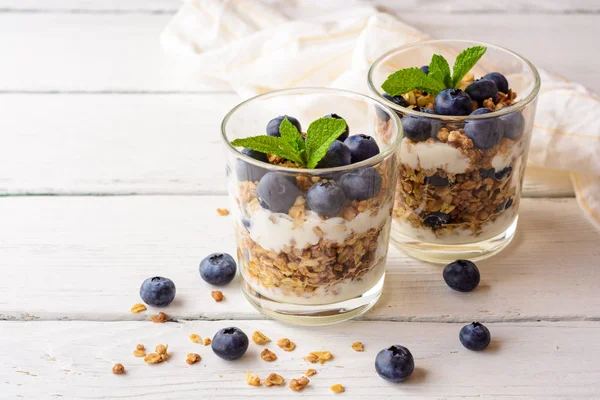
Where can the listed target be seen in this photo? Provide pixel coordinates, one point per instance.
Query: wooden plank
(132, 144)
(85, 258)
(73, 360)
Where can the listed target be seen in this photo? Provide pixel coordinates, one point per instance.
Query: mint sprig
(439, 76)
(291, 146)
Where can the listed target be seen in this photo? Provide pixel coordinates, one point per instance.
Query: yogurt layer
(503, 160)
(432, 156)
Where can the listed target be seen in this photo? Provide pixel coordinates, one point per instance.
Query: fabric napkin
(259, 45)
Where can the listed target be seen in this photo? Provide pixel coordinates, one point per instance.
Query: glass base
(314, 314)
(446, 253)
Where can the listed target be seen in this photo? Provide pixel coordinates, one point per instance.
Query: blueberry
(230, 343)
(345, 134)
(461, 275)
(512, 125)
(399, 100)
(338, 155)
(436, 180)
(218, 269)
(453, 102)
(475, 336)
(248, 172)
(425, 68)
(502, 174)
(273, 125)
(487, 173)
(485, 133)
(157, 291)
(482, 89)
(247, 223)
(499, 80)
(362, 184)
(362, 147)
(416, 129)
(436, 219)
(395, 363)
(326, 198)
(508, 204)
(277, 192)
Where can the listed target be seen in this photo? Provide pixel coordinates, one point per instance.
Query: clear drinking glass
(296, 265)
(457, 198)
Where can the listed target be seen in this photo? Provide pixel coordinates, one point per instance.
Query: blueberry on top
(218, 269)
(249, 172)
(401, 101)
(417, 129)
(461, 275)
(337, 155)
(453, 102)
(475, 336)
(499, 80)
(512, 125)
(230, 343)
(344, 134)
(273, 125)
(485, 133)
(394, 364)
(326, 198)
(425, 68)
(277, 192)
(157, 291)
(482, 89)
(362, 147)
(362, 184)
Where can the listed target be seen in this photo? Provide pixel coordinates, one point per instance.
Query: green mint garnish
(319, 136)
(439, 77)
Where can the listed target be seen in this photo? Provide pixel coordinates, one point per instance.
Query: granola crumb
(118, 369)
(161, 349)
(153, 358)
(159, 318)
(310, 372)
(274, 380)
(358, 346)
(318, 356)
(338, 388)
(259, 338)
(217, 295)
(252, 380)
(139, 353)
(138, 308)
(222, 211)
(140, 347)
(207, 341)
(192, 358)
(268, 355)
(286, 344)
(195, 338)
(299, 384)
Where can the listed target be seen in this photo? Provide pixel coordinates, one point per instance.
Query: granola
(274, 380)
(118, 369)
(159, 356)
(192, 358)
(286, 344)
(318, 356)
(207, 341)
(217, 295)
(259, 338)
(139, 353)
(159, 318)
(358, 346)
(299, 384)
(268, 355)
(222, 212)
(337, 388)
(252, 380)
(138, 308)
(195, 338)
(310, 372)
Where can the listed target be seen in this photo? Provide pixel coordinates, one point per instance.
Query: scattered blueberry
(395, 363)
(362, 184)
(482, 89)
(326, 198)
(453, 102)
(273, 125)
(512, 125)
(509, 203)
(337, 155)
(475, 336)
(499, 80)
(157, 291)
(362, 147)
(277, 192)
(248, 172)
(218, 269)
(230, 343)
(502, 174)
(425, 68)
(461, 275)
(485, 133)
(436, 219)
(436, 180)
(345, 134)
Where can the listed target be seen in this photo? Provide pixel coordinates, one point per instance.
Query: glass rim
(453, 118)
(384, 154)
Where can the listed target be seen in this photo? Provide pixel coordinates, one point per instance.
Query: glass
(457, 197)
(297, 265)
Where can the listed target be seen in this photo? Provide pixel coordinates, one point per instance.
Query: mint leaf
(290, 134)
(270, 145)
(440, 70)
(319, 136)
(408, 79)
(465, 61)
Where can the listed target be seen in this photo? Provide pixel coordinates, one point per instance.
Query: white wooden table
(111, 171)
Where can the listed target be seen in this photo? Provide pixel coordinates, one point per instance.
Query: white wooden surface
(121, 153)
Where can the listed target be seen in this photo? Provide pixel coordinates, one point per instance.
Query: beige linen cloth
(260, 45)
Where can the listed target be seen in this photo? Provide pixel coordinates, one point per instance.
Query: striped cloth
(262, 45)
